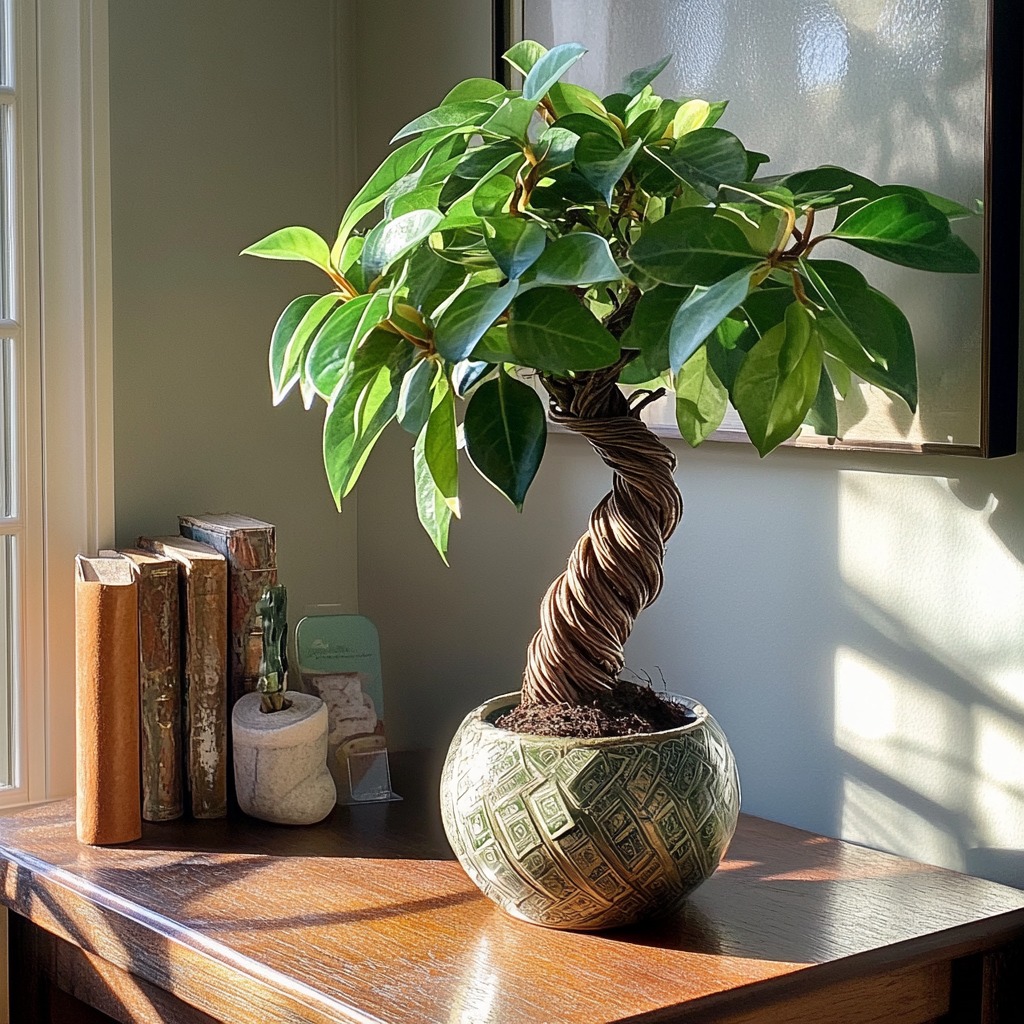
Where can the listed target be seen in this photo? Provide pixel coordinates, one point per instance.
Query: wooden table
(366, 918)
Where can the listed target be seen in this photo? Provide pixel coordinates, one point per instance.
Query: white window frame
(66, 379)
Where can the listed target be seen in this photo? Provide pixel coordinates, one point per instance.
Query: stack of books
(167, 639)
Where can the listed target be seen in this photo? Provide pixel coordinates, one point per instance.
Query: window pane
(8, 437)
(8, 653)
(6, 211)
(6, 64)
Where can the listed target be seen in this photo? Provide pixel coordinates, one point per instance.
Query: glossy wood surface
(366, 917)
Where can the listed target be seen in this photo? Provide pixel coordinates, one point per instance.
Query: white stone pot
(281, 772)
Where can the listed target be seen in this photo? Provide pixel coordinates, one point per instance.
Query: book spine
(251, 554)
(160, 693)
(206, 644)
(107, 712)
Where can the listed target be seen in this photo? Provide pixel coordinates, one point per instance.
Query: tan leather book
(203, 596)
(250, 547)
(106, 701)
(160, 684)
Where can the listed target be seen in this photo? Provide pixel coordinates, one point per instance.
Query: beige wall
(225, 125)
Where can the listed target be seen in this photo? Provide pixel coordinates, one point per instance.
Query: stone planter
(281, 772)
(588, 833)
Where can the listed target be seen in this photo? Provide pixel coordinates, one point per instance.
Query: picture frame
(967, 331)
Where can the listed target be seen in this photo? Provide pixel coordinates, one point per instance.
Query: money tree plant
(612, 251)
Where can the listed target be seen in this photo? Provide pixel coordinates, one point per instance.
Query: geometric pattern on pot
(589, 833)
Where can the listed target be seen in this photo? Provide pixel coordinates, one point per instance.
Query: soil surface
(625, 710)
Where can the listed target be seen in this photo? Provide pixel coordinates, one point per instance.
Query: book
(106, 701)
(250, 547)
(203, 598)
(160, 684)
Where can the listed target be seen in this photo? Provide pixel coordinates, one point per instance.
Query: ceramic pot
(280, 759)
(589, 833)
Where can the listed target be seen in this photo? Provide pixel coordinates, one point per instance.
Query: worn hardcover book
(250, 547)
(160, 684)
(106, 701)
(203, 595)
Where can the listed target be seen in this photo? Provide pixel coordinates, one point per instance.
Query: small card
(339, 661)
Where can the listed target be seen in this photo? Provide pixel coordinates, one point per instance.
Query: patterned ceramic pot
(588, 833)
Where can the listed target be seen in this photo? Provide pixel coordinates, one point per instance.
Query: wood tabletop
(366, 917)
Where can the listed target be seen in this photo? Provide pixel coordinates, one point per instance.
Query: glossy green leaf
(579, 259)
(448, 115)
(549, 69)
(524, 55)
(415, 396)
(494, 347)
(431, 280)
(583, 123)
(692, 246)
(439, 445)
(906, 230)
(506, 429)
(649, 330)
(603, 162)
(779, 380)
(474, 89)
(391, 239)
(350, 253)
(556, 148)
(514, 242)
(566, 98)
(292, 244)
(549, 329)
(329, 354)
(511, 119)
(705, 159)
(823, 416)
(763, 226)
(701, 399)
(704, 309)
(362, 406)
(467, 319)
(492, 197)
(467, 374)
(949, 208)
(288, 355)
(435, 514)
(690, 115)
(638, 80)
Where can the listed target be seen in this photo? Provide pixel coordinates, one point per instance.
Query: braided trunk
(616, 568)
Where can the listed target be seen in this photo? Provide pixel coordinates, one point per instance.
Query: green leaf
(433, 511)
(779, 380)
(362, 406)
(705, 159)
(283, 379)
(474, 89)
(549, 329)
(292, 244)
(636, 81)
(549, 69)
(703, 310)
(762, 225)
(329, 354)
(701, 399)
(603, 162)
(494, 347)
(692, 246)
(949, 208)
(491, 198)
(414, 396)
(690, 116)
(866, 331)
(350, 253)
(432, 280)
(568, 99)
(524, 55)
(287, 357)
(391, 239)
(514, 242)
(648, 331)
(579, 259)
(906, 230)
(511, 120)
(448, 115)
(557, 148)
(823, 416)
(467, 319)
(467, 374)
(506, 429)
(583, 123)
(439, 445)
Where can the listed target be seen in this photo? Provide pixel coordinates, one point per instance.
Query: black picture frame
(1001, 255)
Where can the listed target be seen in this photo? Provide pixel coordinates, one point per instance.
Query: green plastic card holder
(339, 661)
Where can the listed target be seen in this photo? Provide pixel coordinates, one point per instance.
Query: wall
(225, 125)
(854, 621)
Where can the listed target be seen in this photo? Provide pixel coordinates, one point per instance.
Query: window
(56, 494)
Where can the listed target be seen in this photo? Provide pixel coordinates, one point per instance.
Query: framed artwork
(925, 92)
